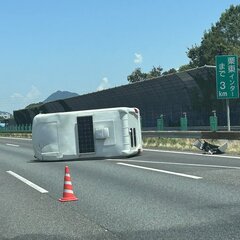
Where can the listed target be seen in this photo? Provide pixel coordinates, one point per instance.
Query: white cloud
(33, 94)
(138, 58)
(17, 96)
(21, 101)
(104, 84)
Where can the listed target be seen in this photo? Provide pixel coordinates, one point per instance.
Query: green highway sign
(227, 76)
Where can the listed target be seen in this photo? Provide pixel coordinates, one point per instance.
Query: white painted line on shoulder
(191, 153)
(15, 138)
(31, 184)
(12, 145)
(162, 171)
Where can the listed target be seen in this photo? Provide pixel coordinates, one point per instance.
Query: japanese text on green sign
(227, 76)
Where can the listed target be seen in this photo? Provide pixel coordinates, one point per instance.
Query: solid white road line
(162, 171)
(181, 164)
(36, 187)
(15, 138)
(191, 153)
(12, 145)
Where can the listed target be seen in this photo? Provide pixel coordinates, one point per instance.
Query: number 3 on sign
(222, 85)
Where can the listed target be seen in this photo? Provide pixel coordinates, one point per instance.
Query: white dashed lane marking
(12, 145)
(162, 171)
(29, 183)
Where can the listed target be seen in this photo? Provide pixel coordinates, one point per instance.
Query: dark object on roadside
(210, 148)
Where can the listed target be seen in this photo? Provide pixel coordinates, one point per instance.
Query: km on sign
(227, 76)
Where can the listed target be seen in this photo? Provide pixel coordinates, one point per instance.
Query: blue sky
(85, 46)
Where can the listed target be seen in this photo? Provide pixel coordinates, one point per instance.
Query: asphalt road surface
(158, 195)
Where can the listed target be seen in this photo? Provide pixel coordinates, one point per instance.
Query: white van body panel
(108, 132)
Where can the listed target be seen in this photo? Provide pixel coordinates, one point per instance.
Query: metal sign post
(227, 80)
(228, 115)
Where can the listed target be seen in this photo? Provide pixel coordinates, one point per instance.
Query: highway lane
(26, 213)
(120, 198)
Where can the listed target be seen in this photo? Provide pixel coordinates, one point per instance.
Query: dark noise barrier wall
(192, 92)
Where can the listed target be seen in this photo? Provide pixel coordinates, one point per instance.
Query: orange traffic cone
(68, 194)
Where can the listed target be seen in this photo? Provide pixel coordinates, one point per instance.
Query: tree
(184, 68)
(136, 76)
(222, 38)
(170, 71)
(155, 72)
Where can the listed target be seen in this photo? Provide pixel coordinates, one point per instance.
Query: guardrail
(16, 129)
(234, 135)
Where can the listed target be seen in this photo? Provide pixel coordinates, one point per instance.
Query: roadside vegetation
(186, 144)
(16, 135)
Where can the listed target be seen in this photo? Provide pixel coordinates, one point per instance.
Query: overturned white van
(110, 132)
